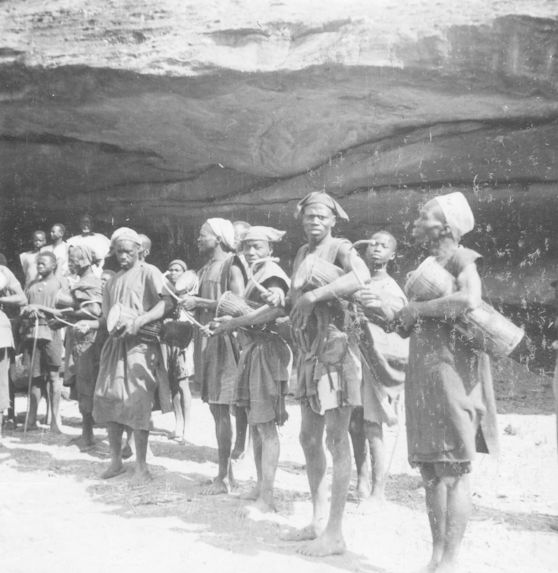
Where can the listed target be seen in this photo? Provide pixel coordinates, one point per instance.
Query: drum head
(177, 333)
(3, 281)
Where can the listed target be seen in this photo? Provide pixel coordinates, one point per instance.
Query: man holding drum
(131, 364)
(266, 359)
(449, 397)
(216, 357)
(328, 367)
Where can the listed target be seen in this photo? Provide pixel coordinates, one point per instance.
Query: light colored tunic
(216, 357)
(385, 356)
(265, 361)
(6, 340)
(326, 386)
(449, 397)
(131, 370)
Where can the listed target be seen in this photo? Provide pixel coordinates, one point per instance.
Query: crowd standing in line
(135, 340)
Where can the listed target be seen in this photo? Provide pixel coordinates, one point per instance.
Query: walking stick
(30, 380)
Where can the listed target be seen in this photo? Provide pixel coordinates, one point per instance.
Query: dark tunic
(266, 360)
(216, 357)
(449, 399)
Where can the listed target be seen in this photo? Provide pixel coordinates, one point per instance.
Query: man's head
(216, 233)
(381, 249)
(39, 240)
(258, 242)
(80, 257)
(57, 232)
(145, 246)
(86, 223)
(317, 221)
(46, 264)
(126, 246)
(444, 217)
(175, 269)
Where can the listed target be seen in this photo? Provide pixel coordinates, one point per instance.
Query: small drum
(233, 305)
(488, 330)
(315, 272)
(3, 280)
(430, 280)
(119, 315)
(177, 333)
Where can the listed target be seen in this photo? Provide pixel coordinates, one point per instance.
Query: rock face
(160, 114)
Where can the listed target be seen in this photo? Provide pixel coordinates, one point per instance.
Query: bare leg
(223, 432)
(269, 459)
(115, 468)
(182, 402)
(241, 424)
(311, 439)
(127, 448)
(360, 451)
(375, 437)
(54, 396)
(254, 493)
(37, 390)
(436, 507)
(330, 541)
(458, 514)
(141, 474)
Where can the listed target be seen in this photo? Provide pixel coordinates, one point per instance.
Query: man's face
(45, 266)
(127, 253)
(173, 272)
(207, 241)
(105, 278)
(85, 224)
(39, 240)
(317, 221)
(427, 227)
(56, 233)
(254, 250)
(381, 249)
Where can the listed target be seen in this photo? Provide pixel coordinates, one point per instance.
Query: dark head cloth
(321, 198)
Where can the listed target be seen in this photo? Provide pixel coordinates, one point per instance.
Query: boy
(384, 359)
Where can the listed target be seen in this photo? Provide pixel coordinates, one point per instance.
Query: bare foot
(237, 453)
(127, 452)
(364, 489)
(264, 506)
(446, 566)
(141, 477)
(305, 534)
(251, 495)
(113, 470)
(371, 504)
(216, 487)
(84, 444)
(55, 429)
(325, 544)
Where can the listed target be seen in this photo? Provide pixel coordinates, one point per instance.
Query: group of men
(347, 321)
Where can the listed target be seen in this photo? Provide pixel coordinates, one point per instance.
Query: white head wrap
(262, 233)
(125, 234)
(224, 230)
(457, 212)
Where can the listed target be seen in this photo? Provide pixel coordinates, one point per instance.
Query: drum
(488, 330)
(177, 333)
(430, 280)
(315, 272)
(233, 305)
(119, 315)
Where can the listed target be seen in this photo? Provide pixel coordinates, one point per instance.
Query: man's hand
(31, 311)
(82, 326)
(222, 325)
(188, 302)
(368, 298)
(407, 316)
(302, 310)
(131, 328)
(274, 297)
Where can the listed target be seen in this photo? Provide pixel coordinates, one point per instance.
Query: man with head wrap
(216, 358)
(449, 398)
(328, 366)
(85, 348)
(97, 242)
(265, 361)
(131, 365)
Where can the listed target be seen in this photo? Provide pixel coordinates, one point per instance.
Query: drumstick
(189, 316)
(54, 312)
(258, 285)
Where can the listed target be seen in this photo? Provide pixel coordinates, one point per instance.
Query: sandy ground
(56, 515)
